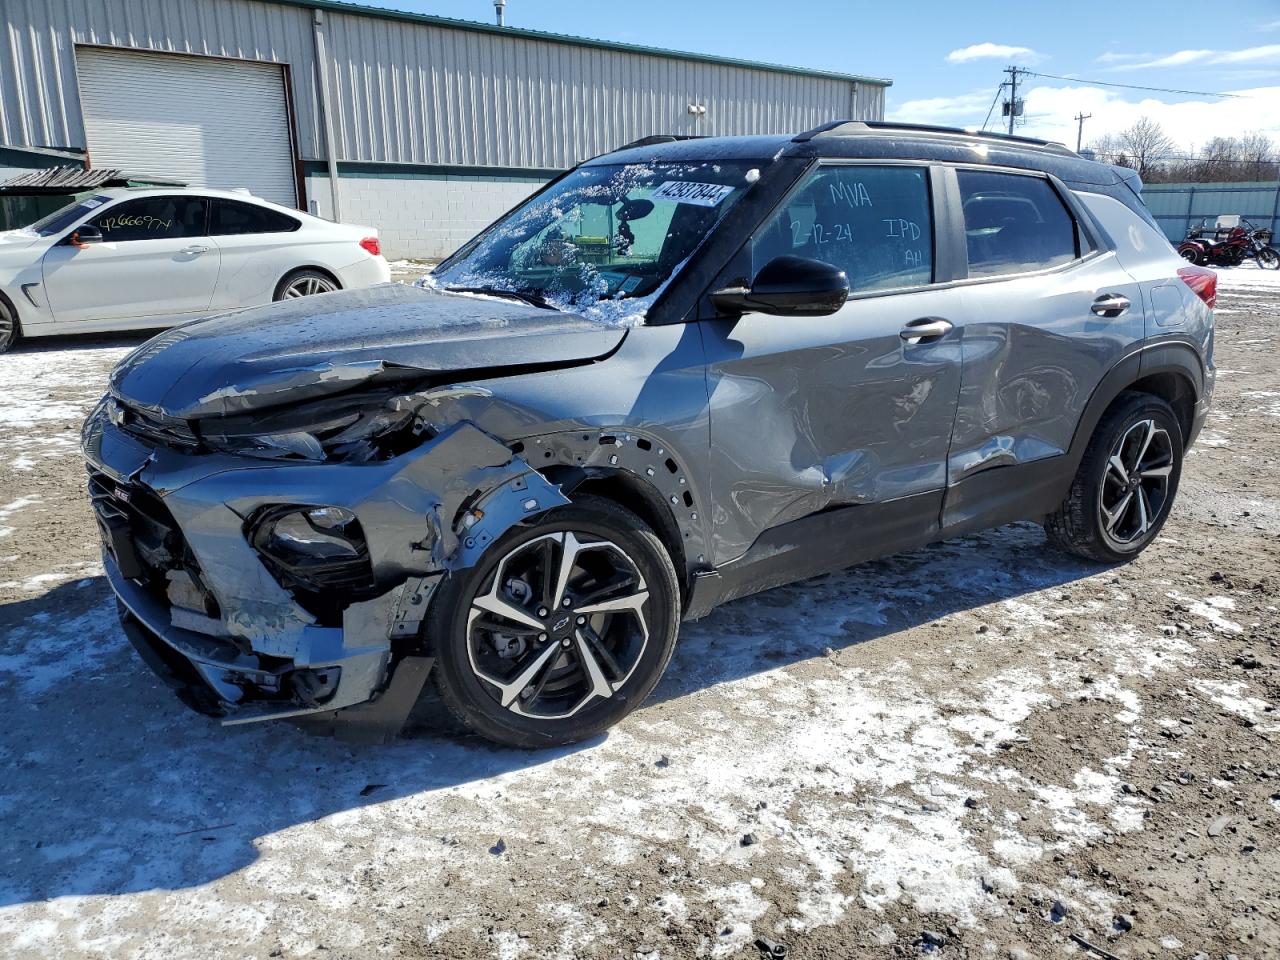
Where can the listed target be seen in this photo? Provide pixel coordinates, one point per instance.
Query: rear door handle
(194, 251)
(1110, 305)
(926, 328)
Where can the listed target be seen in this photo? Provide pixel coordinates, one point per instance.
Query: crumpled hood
(300, 349)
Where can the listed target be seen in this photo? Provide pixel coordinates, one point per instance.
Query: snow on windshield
(604, 242)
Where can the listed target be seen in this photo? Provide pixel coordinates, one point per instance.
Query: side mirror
(788, 287)
(84, 235)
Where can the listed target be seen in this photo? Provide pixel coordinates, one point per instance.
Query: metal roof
(71, 179)
(359, 9)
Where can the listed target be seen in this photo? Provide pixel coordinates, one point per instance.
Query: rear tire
(1125, 485)
(525, 654)
(305, 283)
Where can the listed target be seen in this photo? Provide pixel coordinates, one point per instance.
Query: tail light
(371, 245)
(1203, 283)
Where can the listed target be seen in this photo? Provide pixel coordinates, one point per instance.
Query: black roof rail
(657, 138)
(848, 128)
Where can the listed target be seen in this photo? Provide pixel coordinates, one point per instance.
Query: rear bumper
(365, 272)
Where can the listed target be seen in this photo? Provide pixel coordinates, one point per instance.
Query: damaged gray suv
(682, 372)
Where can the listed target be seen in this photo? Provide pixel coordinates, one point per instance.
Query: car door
(1048, 310)
(810, 413)
(258, 246)
(155, 260)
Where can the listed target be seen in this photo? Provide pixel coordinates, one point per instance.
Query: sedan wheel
(561, 629)
(305, 283)
(8, 328)
(308, 286)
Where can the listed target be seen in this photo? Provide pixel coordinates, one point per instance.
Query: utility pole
(1080, 119)
(1013, 95)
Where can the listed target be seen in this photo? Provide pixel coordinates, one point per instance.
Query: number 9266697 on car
(683, 372)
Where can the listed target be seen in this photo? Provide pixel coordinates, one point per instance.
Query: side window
(1014, 224)
(153, 218)
(232, 217)
(872, 222)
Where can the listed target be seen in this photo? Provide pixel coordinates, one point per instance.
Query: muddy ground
(984, 748)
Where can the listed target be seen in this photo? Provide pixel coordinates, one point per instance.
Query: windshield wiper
(523, 296)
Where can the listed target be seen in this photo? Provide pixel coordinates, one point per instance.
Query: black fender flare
(1176, 358)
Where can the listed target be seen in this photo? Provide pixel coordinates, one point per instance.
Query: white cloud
(1112, 57)
(1050, 113)
(1269, 53)
(992, 51)
(954, 111)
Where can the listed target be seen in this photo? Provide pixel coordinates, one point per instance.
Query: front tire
(1268, 259)
(10, 331)
(562, 629)
(1125, 485)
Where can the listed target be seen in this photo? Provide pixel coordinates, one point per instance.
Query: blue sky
(945, 58)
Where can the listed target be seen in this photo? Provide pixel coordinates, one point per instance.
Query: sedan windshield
(64, 217)
(603, 241)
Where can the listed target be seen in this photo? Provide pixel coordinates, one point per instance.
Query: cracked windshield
(602, 242)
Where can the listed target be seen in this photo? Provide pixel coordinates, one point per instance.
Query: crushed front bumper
(208, 615)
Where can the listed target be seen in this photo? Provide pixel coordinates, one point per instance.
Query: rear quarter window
(231, 217)
(1014, 224)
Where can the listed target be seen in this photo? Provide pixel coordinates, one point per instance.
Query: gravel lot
(983, 748)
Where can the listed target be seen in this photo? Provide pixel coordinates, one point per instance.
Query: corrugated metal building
(424, 127)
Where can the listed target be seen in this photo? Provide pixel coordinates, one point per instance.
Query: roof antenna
(499, 8)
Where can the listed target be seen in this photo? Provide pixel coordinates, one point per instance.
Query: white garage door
(206, 122)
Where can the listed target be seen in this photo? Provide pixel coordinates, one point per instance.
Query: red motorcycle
(1230, 247)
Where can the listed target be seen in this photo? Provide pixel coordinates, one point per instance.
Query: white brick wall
(420, 218)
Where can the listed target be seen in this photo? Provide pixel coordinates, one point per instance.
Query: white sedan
(130, 259)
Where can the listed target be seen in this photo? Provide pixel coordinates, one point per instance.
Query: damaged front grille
(165, 431)
(147, 545)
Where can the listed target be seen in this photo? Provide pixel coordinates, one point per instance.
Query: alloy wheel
(1135, 484)
(7, 330)
(561, 623)
(308, 286)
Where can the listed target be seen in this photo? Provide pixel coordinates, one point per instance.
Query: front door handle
(926, 328)
(1111, 305)
(194, 251)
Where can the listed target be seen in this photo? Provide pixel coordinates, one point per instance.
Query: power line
(992, 108)
(1134, 86)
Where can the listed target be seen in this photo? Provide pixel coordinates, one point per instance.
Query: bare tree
(1145, 148)
(1147, 143)
(1108, 149)
(1258, 157)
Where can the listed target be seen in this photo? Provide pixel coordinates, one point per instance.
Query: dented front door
(854, 408)
(809, 413)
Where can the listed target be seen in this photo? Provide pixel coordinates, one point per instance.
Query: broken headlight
(319, 551)
(341, 429)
